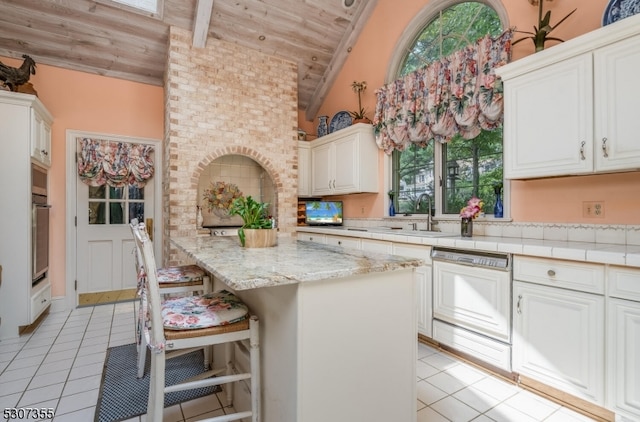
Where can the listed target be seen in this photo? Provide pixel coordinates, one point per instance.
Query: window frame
(407, 39)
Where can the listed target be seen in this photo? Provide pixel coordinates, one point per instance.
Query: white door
(105, 259)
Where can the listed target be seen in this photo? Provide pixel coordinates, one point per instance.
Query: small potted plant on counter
(258, 229)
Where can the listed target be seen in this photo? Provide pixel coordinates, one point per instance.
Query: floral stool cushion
(210, 310)
(181, 274)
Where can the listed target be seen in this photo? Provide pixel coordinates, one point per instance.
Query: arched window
(449, 173)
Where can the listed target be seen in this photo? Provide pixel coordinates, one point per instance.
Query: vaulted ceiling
(105, 39)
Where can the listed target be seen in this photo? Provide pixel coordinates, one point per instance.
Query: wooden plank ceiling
(107, 39)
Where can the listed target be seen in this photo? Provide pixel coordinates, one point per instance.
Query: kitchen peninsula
(338, 326)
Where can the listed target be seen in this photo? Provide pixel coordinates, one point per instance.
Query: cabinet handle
(604, 148)
(582, 157)
(518, 305)
(551, 273)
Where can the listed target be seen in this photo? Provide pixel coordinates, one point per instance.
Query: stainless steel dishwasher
(472, 304)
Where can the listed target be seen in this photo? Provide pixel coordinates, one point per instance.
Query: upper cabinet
(569, 109)
(41, 135)
(344, 162)
(304, 168)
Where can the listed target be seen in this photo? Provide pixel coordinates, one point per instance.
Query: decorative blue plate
(620, 9)
(340, 120)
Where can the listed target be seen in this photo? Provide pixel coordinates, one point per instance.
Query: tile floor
(59, 365)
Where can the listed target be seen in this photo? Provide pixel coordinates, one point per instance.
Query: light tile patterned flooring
(59, 365)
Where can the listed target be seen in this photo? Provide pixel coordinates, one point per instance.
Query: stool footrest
(228, 418)
(207, 382)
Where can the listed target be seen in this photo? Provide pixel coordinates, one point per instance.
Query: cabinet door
(40, 139)
(304, 169)
(424, 285)
(321, 169)
(616, 95)
(312, 237)
(372, 245)
(548, 127)
(558, 339)
(345, 242)
(347, 167)
(623, 392)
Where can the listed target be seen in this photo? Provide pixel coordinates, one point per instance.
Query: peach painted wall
(92, 103)
(552, 200)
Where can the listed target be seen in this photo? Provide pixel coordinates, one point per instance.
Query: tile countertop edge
(603, 253)
(285, 263)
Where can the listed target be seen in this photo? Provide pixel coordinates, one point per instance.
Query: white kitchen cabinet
(344, 162)
(424, 284)
(312, 237)
(374, 245)
(568, 110)
(345, 242)
(22, 115)
(558, 334)
(616, 94)
(304, 168)
(548, 120)
(41, 136)
(623, 342)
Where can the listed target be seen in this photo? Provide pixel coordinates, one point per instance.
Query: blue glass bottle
(392, 209)
(498, 211)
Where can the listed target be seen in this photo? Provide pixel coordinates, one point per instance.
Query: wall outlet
(593, 209)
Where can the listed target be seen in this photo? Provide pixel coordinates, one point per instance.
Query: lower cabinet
(559, 339)
(623, 340)
(312, 237)
(345, 242)
(425, 284)
(559, 325)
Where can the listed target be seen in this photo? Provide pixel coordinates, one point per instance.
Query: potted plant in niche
(360, 115)
(257, 230)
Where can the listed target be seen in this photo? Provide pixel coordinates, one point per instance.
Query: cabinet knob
(604, 148)
(339, 242)
(551, 273)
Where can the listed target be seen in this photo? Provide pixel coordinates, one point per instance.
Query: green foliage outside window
(468, 167)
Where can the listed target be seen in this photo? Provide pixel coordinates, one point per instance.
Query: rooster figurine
(13, 77)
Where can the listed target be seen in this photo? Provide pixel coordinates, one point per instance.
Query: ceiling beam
(201, 22)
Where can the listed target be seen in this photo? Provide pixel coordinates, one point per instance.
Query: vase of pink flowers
(468, 214)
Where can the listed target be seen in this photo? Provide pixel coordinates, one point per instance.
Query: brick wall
(225, 99)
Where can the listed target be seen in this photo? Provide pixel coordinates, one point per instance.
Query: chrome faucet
(422, 195)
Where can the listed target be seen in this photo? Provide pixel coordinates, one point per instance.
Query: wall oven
(39, 224)
(472, 304)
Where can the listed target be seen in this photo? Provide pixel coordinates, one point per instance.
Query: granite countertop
(603, 253)
(288, 262)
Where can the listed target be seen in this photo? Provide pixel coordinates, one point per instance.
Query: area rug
(123, 395)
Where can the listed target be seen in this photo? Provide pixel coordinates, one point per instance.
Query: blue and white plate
(339, 121)
(620, 9)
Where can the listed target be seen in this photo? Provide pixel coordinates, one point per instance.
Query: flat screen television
(323, 213)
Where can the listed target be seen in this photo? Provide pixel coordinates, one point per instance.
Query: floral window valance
(113, 163)
(458, 94)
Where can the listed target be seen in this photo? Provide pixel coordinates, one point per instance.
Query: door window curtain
(458, 94)
(116, 164)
